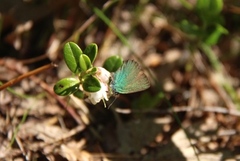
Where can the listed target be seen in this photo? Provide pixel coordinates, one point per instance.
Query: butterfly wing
(129, 79)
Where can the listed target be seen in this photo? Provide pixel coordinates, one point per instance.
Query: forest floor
(190, 112)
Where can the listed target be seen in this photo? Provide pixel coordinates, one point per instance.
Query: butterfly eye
(110, 79)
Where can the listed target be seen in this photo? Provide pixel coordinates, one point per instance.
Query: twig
(43, 85)
(88, 23)
(215, 109)
(28, 74)
(61, 101)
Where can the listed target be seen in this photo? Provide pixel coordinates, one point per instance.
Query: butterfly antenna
(112, 102)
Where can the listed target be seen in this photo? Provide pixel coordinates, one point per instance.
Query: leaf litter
(67, 129)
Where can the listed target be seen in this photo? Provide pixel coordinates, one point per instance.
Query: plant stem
(28, 74)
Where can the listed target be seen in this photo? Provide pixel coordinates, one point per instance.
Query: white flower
(96, 97)
(103, 94)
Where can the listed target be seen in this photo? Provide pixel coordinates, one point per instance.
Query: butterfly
(129, 79)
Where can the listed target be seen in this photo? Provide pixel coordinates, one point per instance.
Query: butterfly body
(129, 79)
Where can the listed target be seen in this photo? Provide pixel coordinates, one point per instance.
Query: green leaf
(92, 71)
(79, 94)
(91, 84)
(190, 28)
(91, 51)
(113, 63)
(207, 9)
(71, 55)
(214, 34)
(84, 62)
(66, 86)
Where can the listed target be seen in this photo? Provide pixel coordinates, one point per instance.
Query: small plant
(210, 27)
(98, 83)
